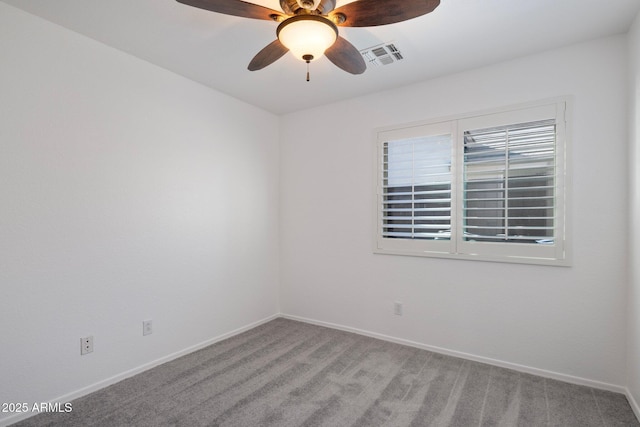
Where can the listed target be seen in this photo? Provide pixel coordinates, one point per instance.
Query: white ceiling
(214, 49)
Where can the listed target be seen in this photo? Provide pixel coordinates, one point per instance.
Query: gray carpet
(288, 373)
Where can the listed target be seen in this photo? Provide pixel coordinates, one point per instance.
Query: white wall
(569, 321)
(126, 193)
(633, 340)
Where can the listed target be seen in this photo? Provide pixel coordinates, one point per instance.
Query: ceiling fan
(309, 28)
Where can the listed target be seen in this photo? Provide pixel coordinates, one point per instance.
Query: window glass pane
(417, 188)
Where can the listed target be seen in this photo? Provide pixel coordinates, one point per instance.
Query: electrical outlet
(147, 327)
(86, 345)
(397, 308)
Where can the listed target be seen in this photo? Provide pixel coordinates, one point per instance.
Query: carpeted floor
(288, 373)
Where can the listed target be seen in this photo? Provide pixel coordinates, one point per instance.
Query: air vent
(384, 54)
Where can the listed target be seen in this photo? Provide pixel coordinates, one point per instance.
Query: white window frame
(557, 253)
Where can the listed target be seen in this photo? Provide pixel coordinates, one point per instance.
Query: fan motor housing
(293, 7)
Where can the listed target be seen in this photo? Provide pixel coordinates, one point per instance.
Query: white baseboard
(633, 403)
(124, 375)
(516, 367)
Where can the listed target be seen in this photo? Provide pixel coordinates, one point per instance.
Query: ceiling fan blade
(267, 56)
(345, 55)
(370, 13)
(235, 8)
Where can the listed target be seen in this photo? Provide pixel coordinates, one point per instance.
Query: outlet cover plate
(147, 327)
(397, 308)
(86, 345)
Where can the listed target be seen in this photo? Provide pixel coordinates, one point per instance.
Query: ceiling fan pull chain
(307, 59)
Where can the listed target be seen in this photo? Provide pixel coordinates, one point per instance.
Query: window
(488, 187)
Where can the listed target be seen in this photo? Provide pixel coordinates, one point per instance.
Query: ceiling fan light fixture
(307, 35)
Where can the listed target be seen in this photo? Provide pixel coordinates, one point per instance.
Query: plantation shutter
(488, 186)
(416, 188)
(509, 183)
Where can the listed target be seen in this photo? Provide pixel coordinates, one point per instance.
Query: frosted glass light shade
(307, 35)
